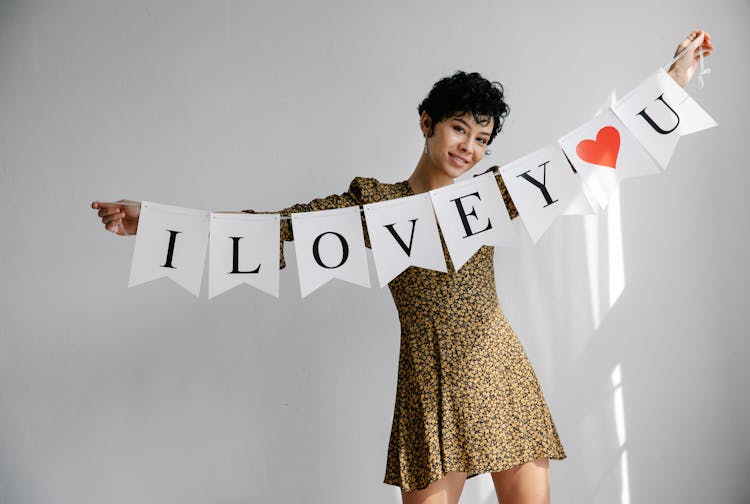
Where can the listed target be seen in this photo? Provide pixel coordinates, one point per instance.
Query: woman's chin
(456, 172)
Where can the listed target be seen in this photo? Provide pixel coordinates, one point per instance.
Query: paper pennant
(543, 186)
(171, 242)
(330, 244)
(658, 111)
(403, 232)
(604, 152)
(244, 249)
(472, 213)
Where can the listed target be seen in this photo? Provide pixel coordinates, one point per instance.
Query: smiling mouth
(459, 160)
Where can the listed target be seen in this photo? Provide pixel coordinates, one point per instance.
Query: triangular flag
(171, 242)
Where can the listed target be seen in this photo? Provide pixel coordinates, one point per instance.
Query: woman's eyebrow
(468, 126)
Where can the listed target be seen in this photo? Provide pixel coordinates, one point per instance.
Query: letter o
(344, 247)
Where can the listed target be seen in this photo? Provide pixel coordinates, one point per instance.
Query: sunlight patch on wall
(616, 262)
(619, 414)
(591, 233)
(606, 267)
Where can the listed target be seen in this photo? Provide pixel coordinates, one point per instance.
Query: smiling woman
(467, 401)
(460, 117)
(455, 146)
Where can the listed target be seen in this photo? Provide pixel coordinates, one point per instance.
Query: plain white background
(635, 320)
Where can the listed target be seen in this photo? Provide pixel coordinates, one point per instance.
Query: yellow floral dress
(467, 398)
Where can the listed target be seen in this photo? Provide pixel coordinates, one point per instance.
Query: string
(287, 217)
(703, 71)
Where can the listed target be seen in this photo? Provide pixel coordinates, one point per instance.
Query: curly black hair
(466, 92)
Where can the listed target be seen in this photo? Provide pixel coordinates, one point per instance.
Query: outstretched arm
(122, 217)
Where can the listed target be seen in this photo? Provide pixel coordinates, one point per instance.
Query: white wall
(148, 395)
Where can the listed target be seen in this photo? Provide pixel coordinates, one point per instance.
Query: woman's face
(457, 143)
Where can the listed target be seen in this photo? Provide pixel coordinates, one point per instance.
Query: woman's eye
(458, 128)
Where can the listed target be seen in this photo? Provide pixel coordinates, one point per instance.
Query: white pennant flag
(658, 111)
(403, 232)
(542, 185)
(604, 152)
(244, 248)
(472, 213)
(330, 244)
(171, 242)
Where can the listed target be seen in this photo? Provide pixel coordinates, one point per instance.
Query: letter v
(406, 249)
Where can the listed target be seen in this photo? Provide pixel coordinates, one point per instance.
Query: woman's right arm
(121, 217)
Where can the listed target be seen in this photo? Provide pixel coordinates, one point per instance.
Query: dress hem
(474, 472)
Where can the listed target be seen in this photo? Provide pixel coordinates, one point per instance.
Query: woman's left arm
(684, 68)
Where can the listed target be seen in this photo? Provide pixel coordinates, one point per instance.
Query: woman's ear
(425, 124)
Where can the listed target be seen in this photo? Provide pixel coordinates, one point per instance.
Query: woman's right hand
(120, 217)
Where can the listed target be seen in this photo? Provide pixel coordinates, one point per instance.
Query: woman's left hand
(684, 68)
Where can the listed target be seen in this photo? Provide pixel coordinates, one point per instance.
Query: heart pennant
(602, 151)
(613, 155)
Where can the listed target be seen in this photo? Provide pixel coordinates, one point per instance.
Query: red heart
(602, 151)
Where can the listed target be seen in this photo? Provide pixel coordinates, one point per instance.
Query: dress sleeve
(509, 205)
(360, 192)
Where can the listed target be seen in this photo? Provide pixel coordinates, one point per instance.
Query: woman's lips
(459, 160)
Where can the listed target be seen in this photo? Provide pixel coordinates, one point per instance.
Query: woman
(467, 401)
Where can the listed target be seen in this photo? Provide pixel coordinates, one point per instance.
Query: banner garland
(576, 175)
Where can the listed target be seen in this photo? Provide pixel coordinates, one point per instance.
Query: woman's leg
(526, 483)
(446, 490)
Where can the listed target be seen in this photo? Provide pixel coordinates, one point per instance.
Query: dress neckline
(407, 188)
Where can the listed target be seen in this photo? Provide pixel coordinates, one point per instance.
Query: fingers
(695, 38)
(115, 216)
(115, 227)
(111, 215)
(103, 205)
(104, 212)
(685, 43)
(701, 41)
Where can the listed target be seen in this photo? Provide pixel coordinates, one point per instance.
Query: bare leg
(446, 490)
(523, 484)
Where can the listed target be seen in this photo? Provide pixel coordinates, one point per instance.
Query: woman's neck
(427, 177)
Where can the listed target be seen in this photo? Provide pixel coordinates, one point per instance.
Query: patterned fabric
(467, 398)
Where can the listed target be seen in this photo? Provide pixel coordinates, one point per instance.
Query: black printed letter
(236, 256)
(389, 227)
(656, 126)
(344, 247)
(462, 213)
(542, 186)
(170, 249)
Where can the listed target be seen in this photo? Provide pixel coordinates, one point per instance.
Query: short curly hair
(467, 92)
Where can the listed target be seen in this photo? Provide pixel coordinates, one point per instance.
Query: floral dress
(467, 398)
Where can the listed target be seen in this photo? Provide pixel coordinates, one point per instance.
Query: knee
(542, 462)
